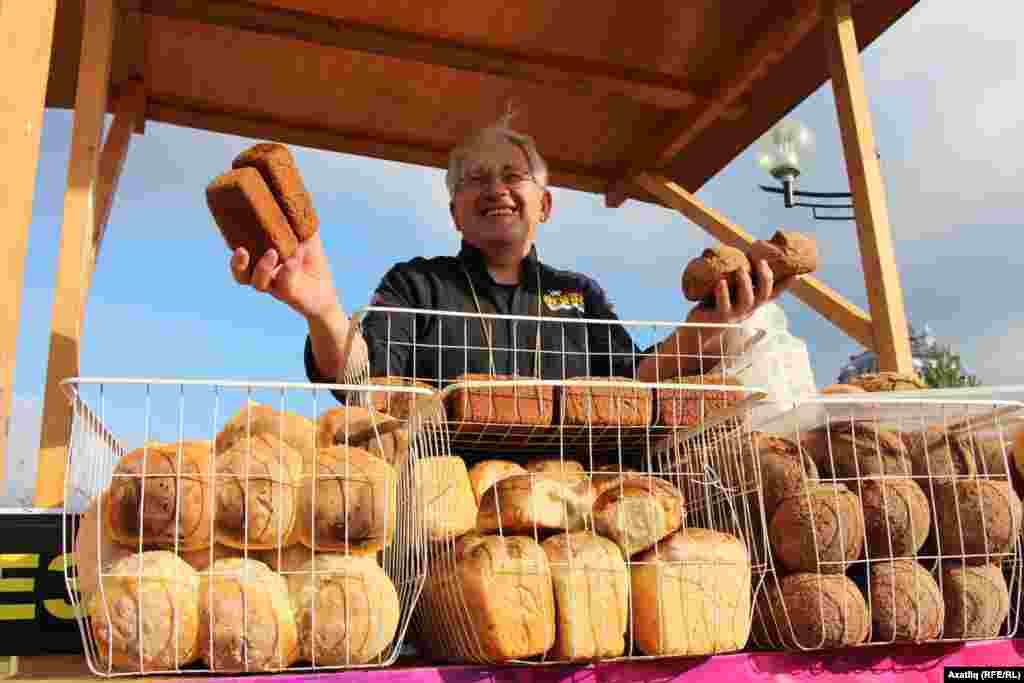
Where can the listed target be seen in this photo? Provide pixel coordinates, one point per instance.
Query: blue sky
(944, 85)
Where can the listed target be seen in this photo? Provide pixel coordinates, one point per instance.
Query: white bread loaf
(444, 498)
(486, 473)
(691, 594)
(256, 494)
(636, 511)
(490, 600)
(531, 503)
(347, 502)
(246, 621)
(346, 608)
(591, 596)
(158, 590)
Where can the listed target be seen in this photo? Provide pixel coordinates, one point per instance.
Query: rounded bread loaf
(297, 431)
(347, 502)
(897, 517)
(906, 603)
(484, 474)
(161, 497)
(703, 273)
(258, 484)
(637, 511)
(531, 503)
(976, 598)
(158, 591)
(346, 609)
(807, 611)
(246, 620)
(819, 529)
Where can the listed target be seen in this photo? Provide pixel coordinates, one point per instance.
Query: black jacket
(438, 349)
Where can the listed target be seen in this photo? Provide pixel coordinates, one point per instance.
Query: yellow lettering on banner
(22, 611)
(17, 612)
(60, 607)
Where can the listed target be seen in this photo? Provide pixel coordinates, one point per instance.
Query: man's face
(498, 202)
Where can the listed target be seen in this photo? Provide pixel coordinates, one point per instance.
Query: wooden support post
(878, 258)
(77, 229)
(129, 117)
(829, 303)
(27, 34)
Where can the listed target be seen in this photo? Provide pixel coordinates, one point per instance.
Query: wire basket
(578, 517)
(889, 518)
(240, 526)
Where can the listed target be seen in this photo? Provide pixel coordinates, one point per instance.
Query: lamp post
(784, 152)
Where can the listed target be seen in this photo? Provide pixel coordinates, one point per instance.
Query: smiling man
(497, 181)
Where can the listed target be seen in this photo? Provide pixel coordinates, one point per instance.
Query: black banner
(36, 613)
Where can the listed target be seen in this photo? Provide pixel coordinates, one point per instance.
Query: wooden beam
(76, 230)
(26, 37)
(261, 127)
(578, 76)
(827, 302)
(129, 113)
(667, 141)
(878, 258)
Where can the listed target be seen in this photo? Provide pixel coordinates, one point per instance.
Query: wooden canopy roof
(607, 87)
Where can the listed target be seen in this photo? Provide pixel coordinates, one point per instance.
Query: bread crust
(248, 216)
(703, 273)
(276, 165)
(158, 589)
(155, 501)
(347, 502)
(487, 473)
(246, 620)
(637, 511)
(346, 610)
(691, 594)
(787, 254)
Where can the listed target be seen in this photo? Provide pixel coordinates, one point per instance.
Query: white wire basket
(226, 526)
(579, 517)
(889, 518)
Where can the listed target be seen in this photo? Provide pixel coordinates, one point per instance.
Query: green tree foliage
(943, 369)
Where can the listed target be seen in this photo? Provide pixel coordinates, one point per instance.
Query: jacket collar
(474, 259)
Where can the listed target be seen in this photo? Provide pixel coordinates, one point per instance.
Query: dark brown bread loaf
(787, 254)
(977, 600)
(820, 529)
(703, 273)
(248, 216)
(897, 517)
(811, 611)
(906, 603)
(857, 449)
(977, 517)
(277, 167)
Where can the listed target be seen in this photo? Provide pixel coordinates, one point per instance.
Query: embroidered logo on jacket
(558, 300)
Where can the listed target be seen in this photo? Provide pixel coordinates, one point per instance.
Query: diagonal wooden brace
(827, 302)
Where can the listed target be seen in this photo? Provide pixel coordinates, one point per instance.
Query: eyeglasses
(510, 178)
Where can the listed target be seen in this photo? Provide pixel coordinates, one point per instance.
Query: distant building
(924, 349)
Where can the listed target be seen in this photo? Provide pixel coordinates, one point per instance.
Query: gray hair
(496, 132)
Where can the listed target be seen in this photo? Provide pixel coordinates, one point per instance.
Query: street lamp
(784, 152)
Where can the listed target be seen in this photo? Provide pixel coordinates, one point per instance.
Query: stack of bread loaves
(538, 562)
(254, 552)
(884, 533)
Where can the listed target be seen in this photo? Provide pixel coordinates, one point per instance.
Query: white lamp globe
(784, 151)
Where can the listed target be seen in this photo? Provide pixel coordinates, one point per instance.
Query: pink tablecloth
(912, 664)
